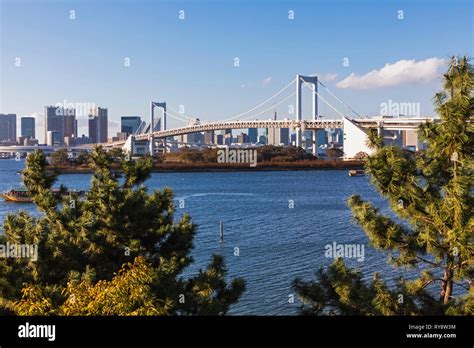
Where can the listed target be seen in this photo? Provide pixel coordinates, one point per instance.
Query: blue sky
(190, 62)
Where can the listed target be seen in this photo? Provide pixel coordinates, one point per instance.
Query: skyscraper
(7, 127)
(209, 137)
(98, 124)
(70, 125)
(28, 127)
(277, 136)
(130, 124)
(61, 120)
(253, 135)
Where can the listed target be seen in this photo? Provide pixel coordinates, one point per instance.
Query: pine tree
(431, 193)
(91, 239)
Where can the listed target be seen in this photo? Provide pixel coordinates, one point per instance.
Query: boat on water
(356, 172)
(22, 195)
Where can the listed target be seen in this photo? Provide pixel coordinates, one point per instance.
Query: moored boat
(22, 195)
(356, 172)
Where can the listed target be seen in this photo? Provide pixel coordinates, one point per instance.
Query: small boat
(21, 195)
(356, 172)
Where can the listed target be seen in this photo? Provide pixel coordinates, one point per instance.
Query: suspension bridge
(352, 123)
(354, 126)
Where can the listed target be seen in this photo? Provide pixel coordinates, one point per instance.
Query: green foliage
(128, 293)
(268, 153)
(82, 158)
(432, 193)
(60, 158)
(90, 239)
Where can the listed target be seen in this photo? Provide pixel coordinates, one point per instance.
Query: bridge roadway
(398, 123)
(395, 123)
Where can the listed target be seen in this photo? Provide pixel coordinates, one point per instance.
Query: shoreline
(231, 167)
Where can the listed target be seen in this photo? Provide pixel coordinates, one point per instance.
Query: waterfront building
(209, 137)
(53, 138)
(253, 135)
(60, 120)
(98, 125)
(130, 124)
(8, 127)
(219, 139)
(28, 127)
(242, 138)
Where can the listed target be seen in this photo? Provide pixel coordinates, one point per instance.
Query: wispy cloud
(398, 73)
(266, 81)
(327, 77)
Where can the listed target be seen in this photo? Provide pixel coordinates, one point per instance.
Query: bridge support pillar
(162, 125)
(313, 80)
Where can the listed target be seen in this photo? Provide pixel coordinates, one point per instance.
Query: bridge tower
(152, 124)
(313, 80)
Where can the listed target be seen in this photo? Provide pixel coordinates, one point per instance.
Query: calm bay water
(276, 243)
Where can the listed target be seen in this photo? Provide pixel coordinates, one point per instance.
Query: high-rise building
(227, 137)
(335, 136)
(70, 125)
(285, 136)
(53, 138)
(278, 136)
(219, 139)
(28, 127)
(209, 137)
(130, 124)
(242, 138)
(253, 135)
(8, 127)
(98, 125)
(60, 120)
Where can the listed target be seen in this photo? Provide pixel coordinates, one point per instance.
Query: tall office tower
(284, 136)
(253, 135)
(321, 137)
(53, 138)
(274, 134)
(130, 124)
(218, 139)
(98, 124)
(7, 127)
(70, 124)
(242, 138)
(227, 137)
(191, 138)
(209, 137)
(60, 120)
(28, 127)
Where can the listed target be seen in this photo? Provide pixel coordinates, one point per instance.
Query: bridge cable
(262, 103)
(324, 100)
(340, 100)
(179, 113)
(268, 109)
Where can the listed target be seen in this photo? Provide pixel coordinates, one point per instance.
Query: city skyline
(186, 60)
